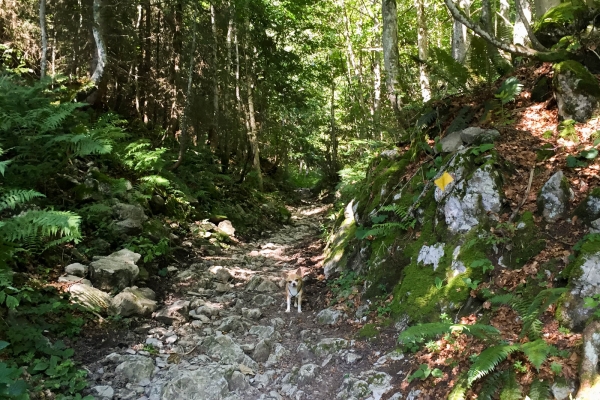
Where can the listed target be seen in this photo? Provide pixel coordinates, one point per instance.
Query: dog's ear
(299, 272)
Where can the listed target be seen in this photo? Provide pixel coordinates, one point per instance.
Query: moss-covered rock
(340, 245)
(566, 19)
(553, 198)
(589, 209)
(577, 91)
(584, 281)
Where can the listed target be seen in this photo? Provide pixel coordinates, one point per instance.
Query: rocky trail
(224, 333)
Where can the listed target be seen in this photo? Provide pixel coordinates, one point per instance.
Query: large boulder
(90, 297)
(135, 368)
(134, 301)
(584, 281)
(577, 91)
(554, 197)
(200, 384)
(589, 209)
(467, 201)
(116, 271)
(589, 376)
(132, 218)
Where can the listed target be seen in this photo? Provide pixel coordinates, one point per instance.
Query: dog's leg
(289, 301)
(299, 300)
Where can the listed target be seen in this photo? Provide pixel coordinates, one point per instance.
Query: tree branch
(518, 50)
(534, 40)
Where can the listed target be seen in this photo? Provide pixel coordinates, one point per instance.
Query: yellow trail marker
(443, 181)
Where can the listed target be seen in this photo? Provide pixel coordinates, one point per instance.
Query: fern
(511, 389)
(450, 70)
(58, 115)
(491, 385)
(487, 361)
(462, 119)
(537, 352)
(41, 224)
(539, 390)
(15, 197)
(459, 391)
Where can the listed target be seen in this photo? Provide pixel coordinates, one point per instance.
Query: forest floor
(241, 335)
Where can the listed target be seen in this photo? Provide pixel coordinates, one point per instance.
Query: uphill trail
(226, 334)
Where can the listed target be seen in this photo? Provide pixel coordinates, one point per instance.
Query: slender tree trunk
(99, 78)
(177, 24)
(184, 137)
(376, 74)
(226, 145)
(422, 44)
(460, 38)
(44, 57)
(390, 52)
(353, 65)
(333, 168)
(253, 132)
(213, 135)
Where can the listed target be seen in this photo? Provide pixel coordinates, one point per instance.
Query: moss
(525, 244)
(586, 82)
(368, 331)
(590, 244)
(584, 211)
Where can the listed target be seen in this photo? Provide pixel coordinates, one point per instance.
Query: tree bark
(44, 57)
(422, 44)
(213, 136)
(333, 168)
(376, 61)
(184, 137)
(253, 131)
(460, 38)
(390, 52)
(98, 32)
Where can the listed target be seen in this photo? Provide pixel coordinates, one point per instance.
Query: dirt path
(226, 334)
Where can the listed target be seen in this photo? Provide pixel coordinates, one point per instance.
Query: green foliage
(383, 229)
(423, 373)
(566, 130)
(593, 302)
(141, 157)
(511, 389)
(450, 70)
(487, 361)
(509, 90)
(418, 333)
(148, 249)
(539, 390)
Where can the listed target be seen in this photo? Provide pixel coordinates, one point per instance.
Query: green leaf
(589, 154)
(376, 219)
(11, 302)
(437, 373)
(41, 366)
(3, 344)
(17, 389)
(536, 352)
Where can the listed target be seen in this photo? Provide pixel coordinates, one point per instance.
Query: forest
(429, 167)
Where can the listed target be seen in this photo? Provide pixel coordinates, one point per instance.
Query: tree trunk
(99, 74)
(226, 145)
(376, 75)
(213, 136)
(44, 57)
(333, 168)
(184, 137)
(460, 37)
(253, 132)
(422, 44)
(390, 52)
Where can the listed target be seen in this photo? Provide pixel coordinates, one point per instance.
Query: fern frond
(401, 212)
(41, 224)
(84, 144)
(511, 389)
(539, 390)
(459, 392)
(58, 116)
(538, 306)
(490, 387)
(3, 165)
(462, 119)
(537, 352)
(13, 198)
(487, 361)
